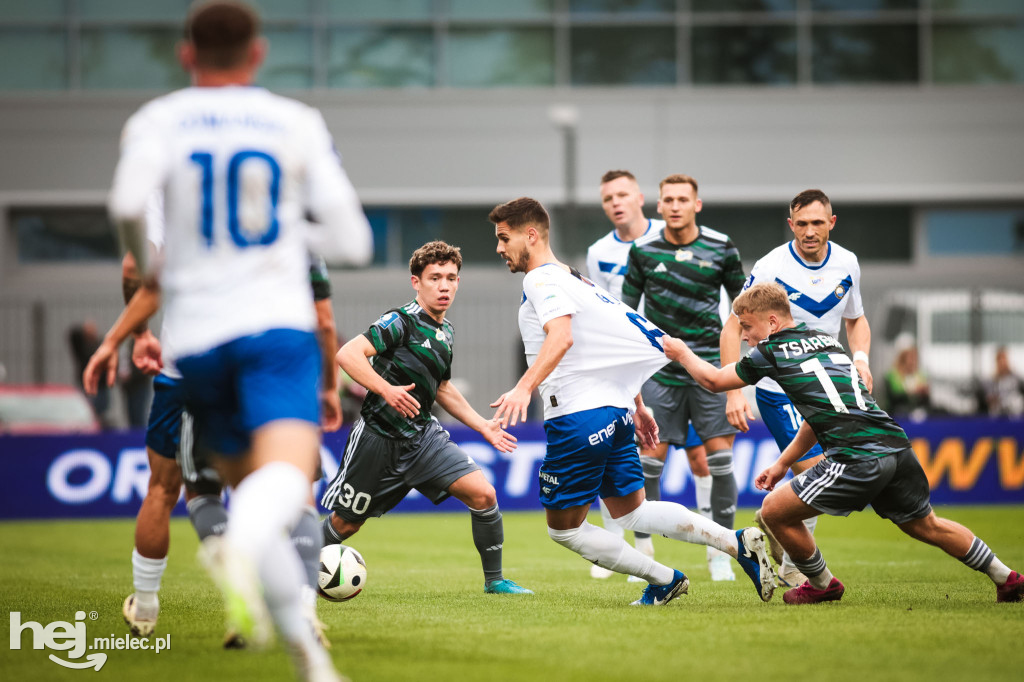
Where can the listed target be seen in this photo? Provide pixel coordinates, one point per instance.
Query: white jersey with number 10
(238, 167)
(614, 348)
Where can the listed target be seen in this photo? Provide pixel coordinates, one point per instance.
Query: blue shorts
(692, 439)
(589, 453)
(163, 432)
(782, 419)
(239, 386)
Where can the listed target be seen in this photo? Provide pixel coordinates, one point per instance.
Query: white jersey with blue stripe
(614, 349)
(608, 259)
(821, 295)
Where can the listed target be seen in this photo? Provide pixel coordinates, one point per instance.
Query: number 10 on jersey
(251, 202)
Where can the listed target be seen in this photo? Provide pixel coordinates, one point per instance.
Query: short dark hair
(434, 252)
(521, 212)
(808, 197)
(221, 32)
(679, 179)
(616, 174)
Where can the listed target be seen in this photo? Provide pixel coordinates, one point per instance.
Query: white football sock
(679, 523)
(609, 523)
(603, 548)
(702, 491)
(146, 575)
(264, 507)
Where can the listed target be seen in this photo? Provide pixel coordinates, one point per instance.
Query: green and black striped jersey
(682, 289)
(818, 376)
(412, 348)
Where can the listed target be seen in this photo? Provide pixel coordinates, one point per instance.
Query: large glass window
(381, 58)
(627, 55)
(622, 6)
(289, 61)
(744, 54)
(964, 232)
(863, 5)
(116, 59)
(978, 54)
(495, 57)
(743, 5)
(976, 7)
(32, 59)
(126, 10)
(868, 53)
(48, 235)
(500, 9)
(20, 10)
(388, 10)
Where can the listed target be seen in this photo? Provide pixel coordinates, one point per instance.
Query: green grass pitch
(909, 613)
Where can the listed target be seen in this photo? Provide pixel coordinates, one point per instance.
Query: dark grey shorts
(196, 464)
(895, 486)
(675, 407)
(376, 473)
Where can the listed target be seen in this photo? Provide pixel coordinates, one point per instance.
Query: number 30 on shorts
(357, 502)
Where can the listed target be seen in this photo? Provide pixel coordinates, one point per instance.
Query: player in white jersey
(823, 282)
(588, 355)
(239, 168)
(607, 262)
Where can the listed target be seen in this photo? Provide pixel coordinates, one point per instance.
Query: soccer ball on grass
(342, 573)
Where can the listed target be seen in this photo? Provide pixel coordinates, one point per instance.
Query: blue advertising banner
(970, 461)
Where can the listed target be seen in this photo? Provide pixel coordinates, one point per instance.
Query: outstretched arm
(143, 305)
(797, 448)
(451, 399)
(512, 404)
(706, 374)
(858, 333)
(354, 358)
(737, 410)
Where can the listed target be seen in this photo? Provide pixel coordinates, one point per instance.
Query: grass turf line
(909, 613)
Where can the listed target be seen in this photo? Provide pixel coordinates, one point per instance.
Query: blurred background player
(607, 262)
(823, 282)
(239, 168)
(588, 354)
(397, 446)
(868, 457)
(682, 272)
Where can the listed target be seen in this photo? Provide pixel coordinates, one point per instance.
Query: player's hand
(737, 410)
(646, 427)
(511, 407)
(401, 400)
(673, 347)
(499, 438)
(102, 364)
(767, 479)
(146, 353)
(865, 375)
(330, 410)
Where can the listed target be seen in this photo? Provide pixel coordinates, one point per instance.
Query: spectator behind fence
(84, 339)
(1004, 393)
(906, 386)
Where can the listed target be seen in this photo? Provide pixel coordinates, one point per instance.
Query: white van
(957, 333)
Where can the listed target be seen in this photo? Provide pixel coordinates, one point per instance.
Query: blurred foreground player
(240, 168)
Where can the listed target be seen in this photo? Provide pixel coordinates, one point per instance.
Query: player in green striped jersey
(868, 458)
(681, 271)
(397, 445)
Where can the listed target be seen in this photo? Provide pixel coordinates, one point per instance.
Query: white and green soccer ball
(342, 573)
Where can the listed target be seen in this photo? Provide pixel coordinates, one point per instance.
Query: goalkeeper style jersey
(682, 287)
(412, 348)
(822, 382)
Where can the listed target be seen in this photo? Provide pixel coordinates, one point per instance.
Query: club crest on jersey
(840, 291)
(387, 319)
(440, 335)
(682, 255)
